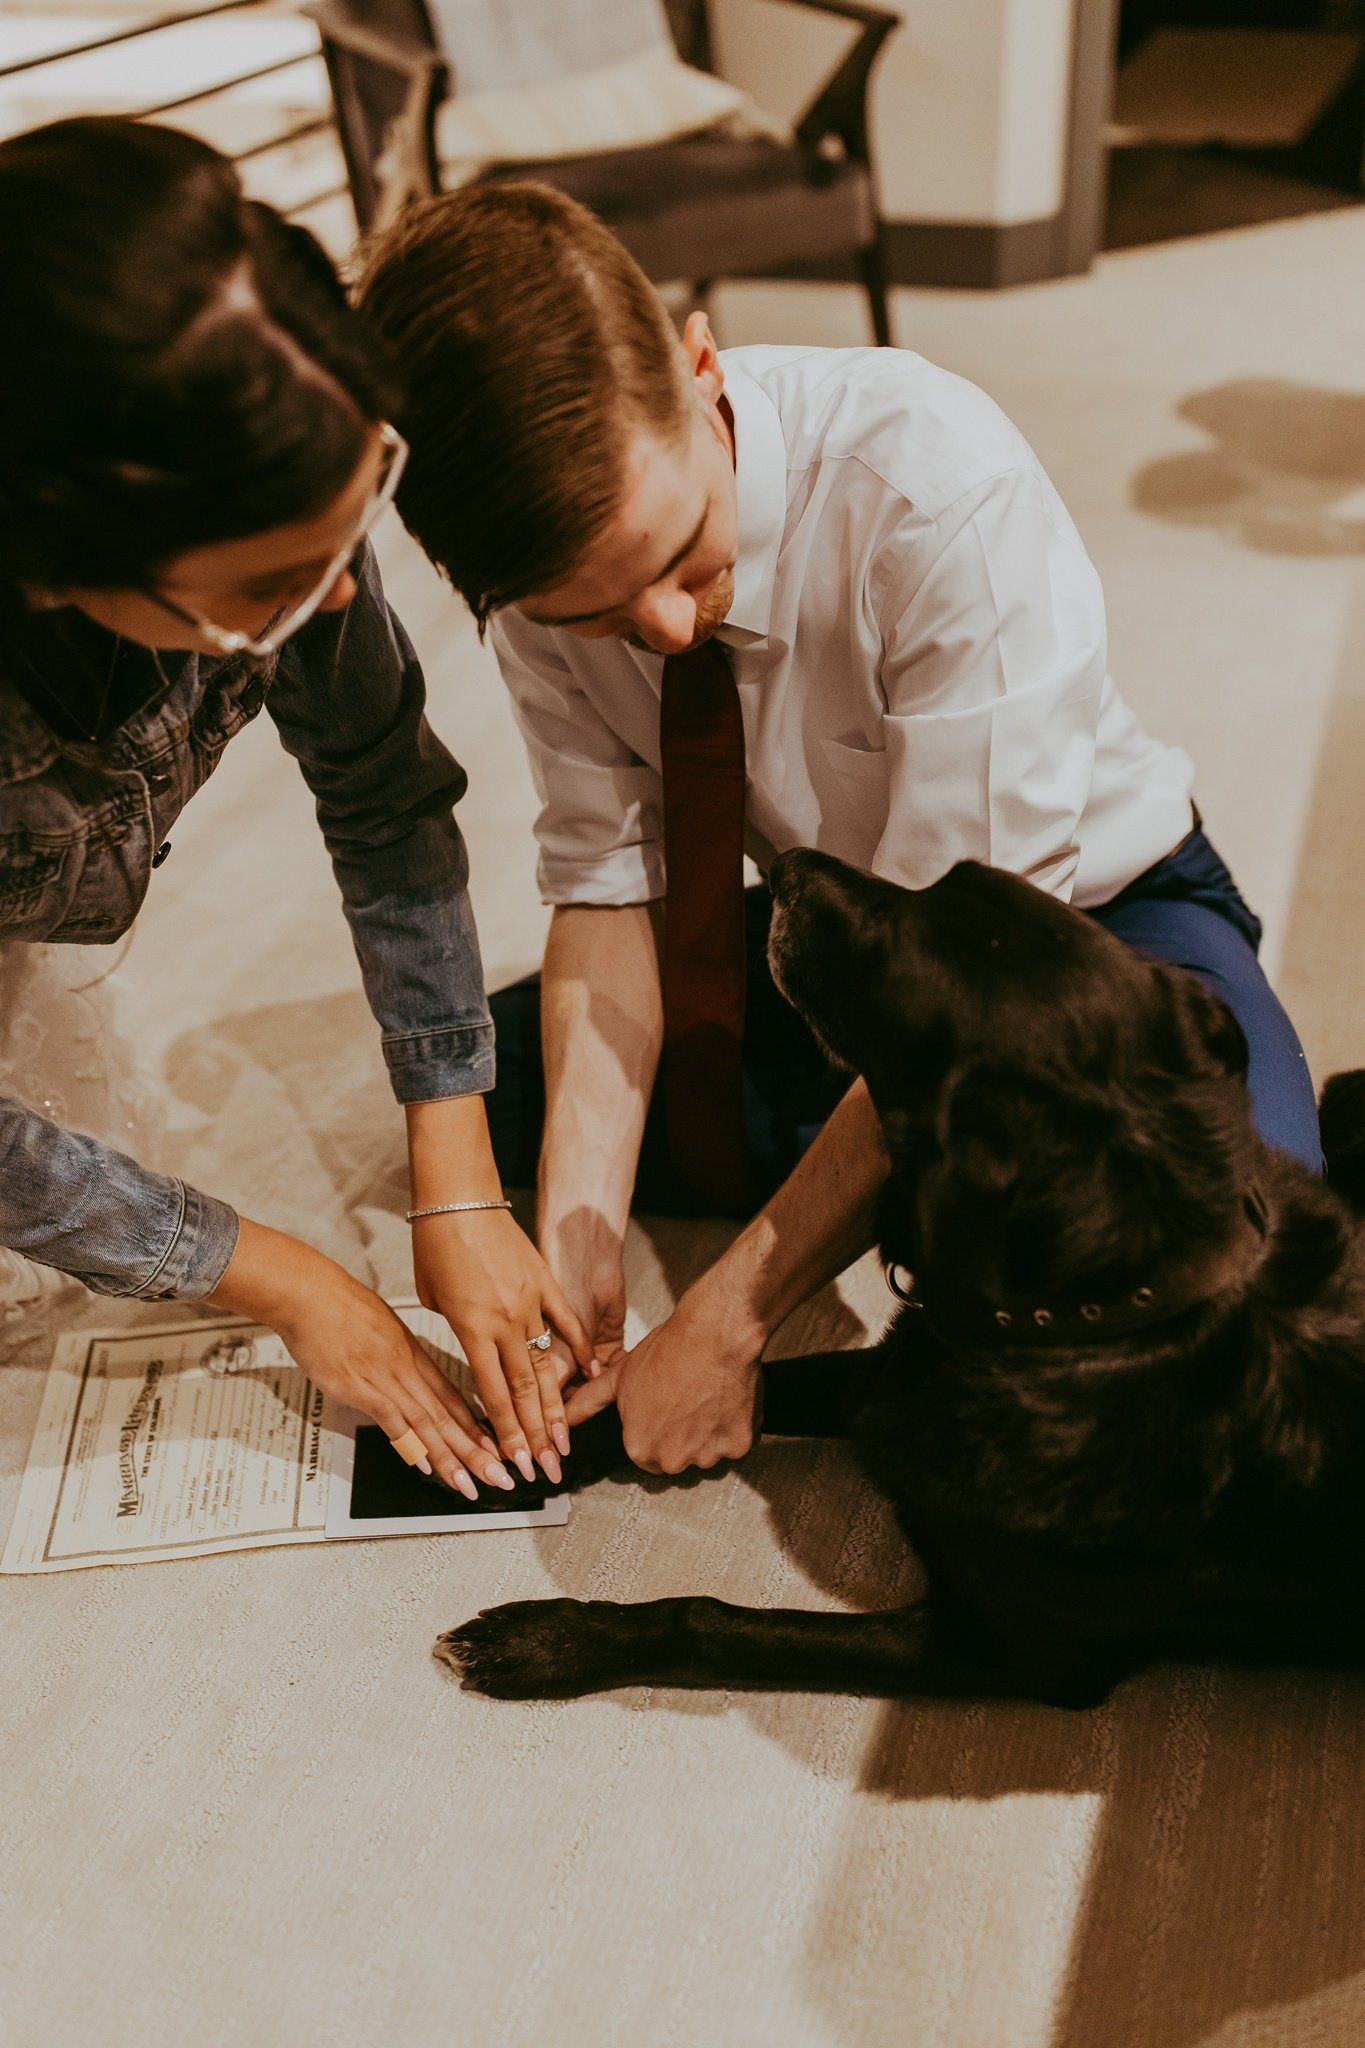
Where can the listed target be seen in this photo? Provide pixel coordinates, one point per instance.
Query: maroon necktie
(701, 744)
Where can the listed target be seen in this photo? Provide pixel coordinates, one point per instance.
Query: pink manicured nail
(498, 1475)
(524, 1463)
(424, 1465)
(466, 1485)
(561, 1437)
(550, 1463)
(594, 1369)
(488, 1443)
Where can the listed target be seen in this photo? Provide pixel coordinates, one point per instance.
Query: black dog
(1123, 1415)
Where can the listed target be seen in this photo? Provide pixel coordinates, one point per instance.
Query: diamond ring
(540, 1343)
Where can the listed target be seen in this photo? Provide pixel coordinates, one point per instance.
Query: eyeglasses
(288, 620)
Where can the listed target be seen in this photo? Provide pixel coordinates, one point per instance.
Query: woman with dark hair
(193, 448)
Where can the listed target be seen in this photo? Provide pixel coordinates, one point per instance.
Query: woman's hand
(352, 1344)
(480, 1271)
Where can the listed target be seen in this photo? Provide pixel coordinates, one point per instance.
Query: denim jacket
(80, 830)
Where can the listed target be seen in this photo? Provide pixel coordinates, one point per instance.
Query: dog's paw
(598, 1451)
(539, 1650)
(526, 1650)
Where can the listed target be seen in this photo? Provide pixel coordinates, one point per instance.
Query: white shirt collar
(761, 490)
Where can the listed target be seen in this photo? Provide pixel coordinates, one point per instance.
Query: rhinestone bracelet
(454, 1209)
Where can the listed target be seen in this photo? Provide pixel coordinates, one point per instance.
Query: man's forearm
(820, 1220)
(688, 1390)
(602, 1028)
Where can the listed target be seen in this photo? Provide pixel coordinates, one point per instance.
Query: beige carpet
(241, 1806)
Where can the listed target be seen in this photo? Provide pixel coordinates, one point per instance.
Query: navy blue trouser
(1186, 911)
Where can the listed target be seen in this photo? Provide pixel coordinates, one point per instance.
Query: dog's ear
(1009, 1132)
(1021, 1188)
(1207, 1024)
(972, 1131)
(985, 1127)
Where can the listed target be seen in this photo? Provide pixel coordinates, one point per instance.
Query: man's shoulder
(929, 435)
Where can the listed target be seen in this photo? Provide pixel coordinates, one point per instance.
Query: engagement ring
(540, 1343)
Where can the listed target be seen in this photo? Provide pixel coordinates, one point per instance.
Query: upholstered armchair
(615, 102)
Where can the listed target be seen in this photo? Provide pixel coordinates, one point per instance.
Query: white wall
(969, 103)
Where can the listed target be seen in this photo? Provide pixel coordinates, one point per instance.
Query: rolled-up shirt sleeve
(70, 1202)
(349, 702)
(993, 677)
(600, 827)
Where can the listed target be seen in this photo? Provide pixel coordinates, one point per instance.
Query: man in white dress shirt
(917, 640)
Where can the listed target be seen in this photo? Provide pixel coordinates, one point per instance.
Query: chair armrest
(852, 10)
(839, 109)
(395, 53)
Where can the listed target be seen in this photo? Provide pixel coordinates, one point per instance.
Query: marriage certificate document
(171, 1442)
(186, 1439)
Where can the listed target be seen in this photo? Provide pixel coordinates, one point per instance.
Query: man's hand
(689, 1391)
(588, 1256)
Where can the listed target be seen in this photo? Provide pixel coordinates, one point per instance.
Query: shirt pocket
(853, 829)
(862, 771)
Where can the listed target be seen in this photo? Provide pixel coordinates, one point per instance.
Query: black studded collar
(961, 1317)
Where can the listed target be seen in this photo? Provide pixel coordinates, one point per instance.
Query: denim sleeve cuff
(429, 1066)
(68, 1201)
(203, 1239)
(196, 1258)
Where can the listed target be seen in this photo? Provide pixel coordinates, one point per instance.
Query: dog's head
(1059, 1110)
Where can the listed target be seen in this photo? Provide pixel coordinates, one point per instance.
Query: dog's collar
(962, 1317)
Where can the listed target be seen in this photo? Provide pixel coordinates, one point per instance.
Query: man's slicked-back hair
(530, 346)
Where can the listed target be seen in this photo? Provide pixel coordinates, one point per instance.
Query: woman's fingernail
(594, 1369)
(550, 1463)
(424, 1465)
(466, 1485)
(561, 1437)
(489, 1443)
(498, 1475)
(524, 1463)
